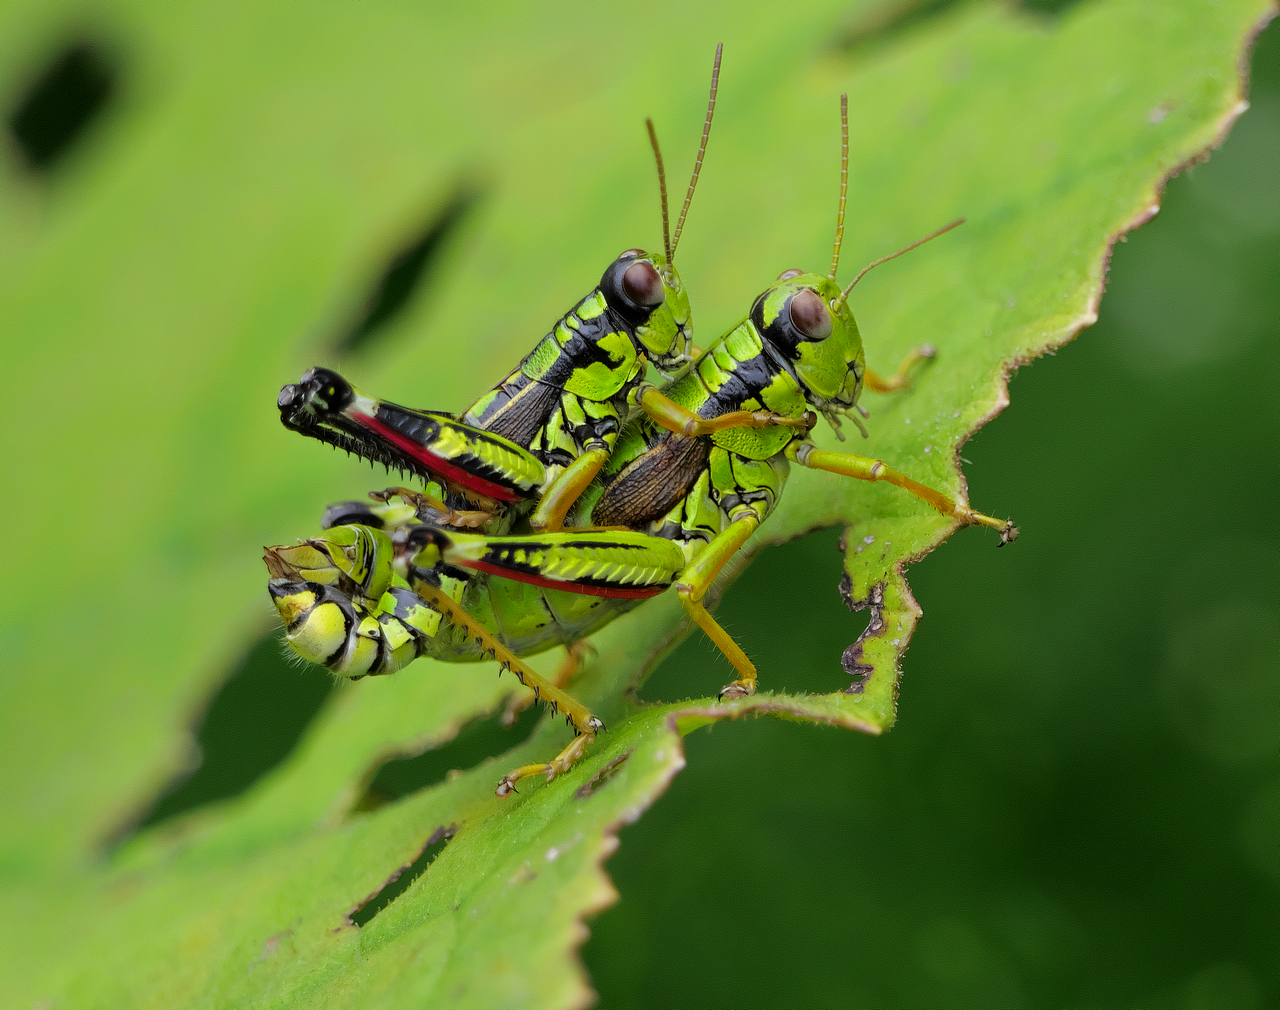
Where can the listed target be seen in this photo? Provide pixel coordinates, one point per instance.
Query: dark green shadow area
(1080, 804)
(405, 273)
(70, 92)
(251, 725)
(881, 23)
(476, 742)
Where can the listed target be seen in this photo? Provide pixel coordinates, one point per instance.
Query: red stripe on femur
(437, 463)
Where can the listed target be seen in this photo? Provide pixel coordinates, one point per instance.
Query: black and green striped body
(349, 606)
(690, 490)
(675, 494)
(569, 394)
(606, 575)
(566, 397)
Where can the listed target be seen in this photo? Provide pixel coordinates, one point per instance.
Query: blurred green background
(1030, 850)
(1036, 841)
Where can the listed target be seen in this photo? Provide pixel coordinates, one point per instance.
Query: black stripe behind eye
(783, 335)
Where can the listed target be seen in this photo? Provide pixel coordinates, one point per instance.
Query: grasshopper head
(805, 319)
(799, 316)
(648, 294)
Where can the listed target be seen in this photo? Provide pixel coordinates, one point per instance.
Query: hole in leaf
(57, 108)
(1051, 7)
(252, 724)
(402, 879)
(884, 21)
(403, 276)
(807, 569)
(602, 777)
(477, 741)
(891, 18)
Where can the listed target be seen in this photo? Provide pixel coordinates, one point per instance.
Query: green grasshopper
(544, 432)
(362, 603)
(798, 348)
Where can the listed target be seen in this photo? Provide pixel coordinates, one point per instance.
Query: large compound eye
(630, 253)
(809, 315)
(642, 284)
(786, 275)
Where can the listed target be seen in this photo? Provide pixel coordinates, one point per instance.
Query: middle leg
(693, 586)
(575, 659)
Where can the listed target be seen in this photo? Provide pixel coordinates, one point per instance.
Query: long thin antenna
(702, 149)
(662, 187)
(906, 249)
(844, 184)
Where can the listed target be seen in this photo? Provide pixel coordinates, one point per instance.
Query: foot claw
(1009, 534)
(561, 763)
(738, 689)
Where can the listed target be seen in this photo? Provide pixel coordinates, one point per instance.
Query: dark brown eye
(630, 252)
(642, 284)
(809, 315)
(786, 275)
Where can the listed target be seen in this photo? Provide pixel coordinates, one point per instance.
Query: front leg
(558, 765)
(868, 469)
(577, 715)
(693, 586)
(445, 516)
(901, 379)
(559, 497)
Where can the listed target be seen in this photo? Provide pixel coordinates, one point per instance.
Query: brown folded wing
(651, 485)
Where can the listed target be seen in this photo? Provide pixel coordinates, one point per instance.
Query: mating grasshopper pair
(665, 501)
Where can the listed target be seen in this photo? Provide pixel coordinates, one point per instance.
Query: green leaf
(214, 237)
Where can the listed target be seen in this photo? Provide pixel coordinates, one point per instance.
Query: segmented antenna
(844, 184)
(702, 149)
(885, 259)
(662, 187)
